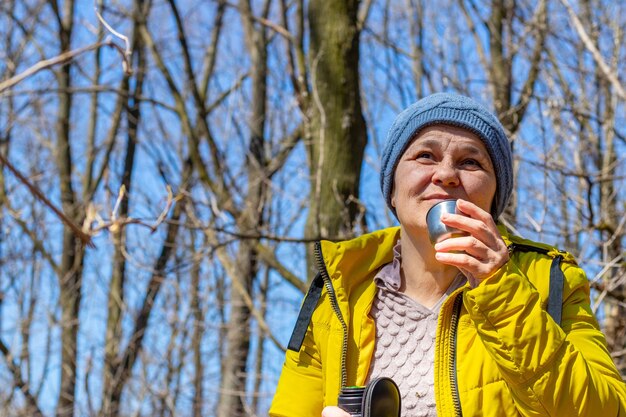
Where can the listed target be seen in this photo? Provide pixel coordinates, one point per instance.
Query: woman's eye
(422, 155)
(472, 162)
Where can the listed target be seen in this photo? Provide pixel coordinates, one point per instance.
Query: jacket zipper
(321, 265)
(454, 324)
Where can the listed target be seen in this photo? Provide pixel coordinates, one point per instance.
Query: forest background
(167, 164)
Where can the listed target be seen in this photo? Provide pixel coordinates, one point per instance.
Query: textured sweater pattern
(405, 341)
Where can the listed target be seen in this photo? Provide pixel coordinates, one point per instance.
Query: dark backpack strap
(306, 311)
(555, 297)
(555, 294)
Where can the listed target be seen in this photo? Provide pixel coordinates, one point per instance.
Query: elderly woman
(461, 326)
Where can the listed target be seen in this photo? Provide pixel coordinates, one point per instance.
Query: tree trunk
(71, 266)
(116, 304)
(337, 129)
(128, 358)
(232, 401)
(609, 217)
(501, 77)
(198, 333)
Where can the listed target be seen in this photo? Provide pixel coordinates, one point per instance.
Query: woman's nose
(445, 175)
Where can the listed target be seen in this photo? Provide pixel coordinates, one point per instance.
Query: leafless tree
(202, 159)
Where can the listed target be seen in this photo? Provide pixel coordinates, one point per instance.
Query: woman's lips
(440, 197)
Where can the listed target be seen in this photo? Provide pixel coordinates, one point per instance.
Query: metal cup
(437, 231)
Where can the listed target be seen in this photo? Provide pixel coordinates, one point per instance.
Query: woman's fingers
(469, 264)
(479, 268)
(472, 210)
(473, 220)
(482, 251)
(465, 244)
(332, 411)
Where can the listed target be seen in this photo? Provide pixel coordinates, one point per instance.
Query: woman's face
(442, 162)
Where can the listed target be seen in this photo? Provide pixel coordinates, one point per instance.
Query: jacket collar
(363, 256)
(359, 257)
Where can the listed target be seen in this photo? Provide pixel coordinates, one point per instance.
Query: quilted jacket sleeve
(551, 370)
(299, 391)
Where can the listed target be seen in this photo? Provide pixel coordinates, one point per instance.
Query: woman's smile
(443, 162)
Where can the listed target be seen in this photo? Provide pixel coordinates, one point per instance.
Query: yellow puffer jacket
(512, 359)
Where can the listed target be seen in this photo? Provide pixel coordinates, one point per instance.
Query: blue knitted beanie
(455, 110)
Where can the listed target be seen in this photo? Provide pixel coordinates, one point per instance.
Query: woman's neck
(424, 279)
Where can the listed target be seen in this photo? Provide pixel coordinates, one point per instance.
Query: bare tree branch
(597, 56)
(78, 232)
(19, 382)
(60, 59)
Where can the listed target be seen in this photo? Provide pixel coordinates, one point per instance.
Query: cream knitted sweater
(405, 340)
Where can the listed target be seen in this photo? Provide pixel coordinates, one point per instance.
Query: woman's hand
(479, 254)
(332, 411)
